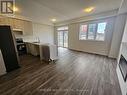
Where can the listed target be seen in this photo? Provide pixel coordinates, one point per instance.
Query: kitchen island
(46, 51)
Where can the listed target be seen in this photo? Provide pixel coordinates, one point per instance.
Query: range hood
(17, 29)
(17, 32)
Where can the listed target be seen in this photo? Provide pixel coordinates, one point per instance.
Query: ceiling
(42, 11)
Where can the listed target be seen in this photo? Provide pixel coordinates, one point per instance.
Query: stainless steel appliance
(21, 46)
(8, 48)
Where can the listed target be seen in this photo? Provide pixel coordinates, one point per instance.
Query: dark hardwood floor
(75, 73)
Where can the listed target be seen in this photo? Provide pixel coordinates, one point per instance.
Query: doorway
(62, 35)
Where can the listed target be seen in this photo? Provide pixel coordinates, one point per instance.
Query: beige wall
(44, 32)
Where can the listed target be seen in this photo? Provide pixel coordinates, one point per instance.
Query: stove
(21, 46)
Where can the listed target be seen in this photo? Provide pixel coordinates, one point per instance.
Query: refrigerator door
(2, 66)
(8, 48)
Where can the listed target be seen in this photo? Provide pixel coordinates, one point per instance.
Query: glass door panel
(60, 39)
(65, 38)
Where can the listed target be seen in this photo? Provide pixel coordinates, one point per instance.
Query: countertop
(37, 43)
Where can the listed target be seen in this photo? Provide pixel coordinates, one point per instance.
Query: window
(92, 31)
(83, 32)
(101, 31)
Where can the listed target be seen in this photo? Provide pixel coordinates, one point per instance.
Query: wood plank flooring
(75, 73)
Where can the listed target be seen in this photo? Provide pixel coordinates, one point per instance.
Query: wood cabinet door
(10, 22)
(28, 28)
(4, 21)
(18, 24)
(23, 25)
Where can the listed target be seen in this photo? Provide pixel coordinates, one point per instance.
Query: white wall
(44, 32)
(112, 44)
(89, 17)
(98, 47)
(123, 7)
(117, 35)
(123, 42)
(123, 85)
(125, 34)
(123, 51)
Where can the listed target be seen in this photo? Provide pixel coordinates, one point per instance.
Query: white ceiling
(42, 11)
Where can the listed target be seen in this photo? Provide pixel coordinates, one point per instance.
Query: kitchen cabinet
(10, 22)
(32, 48)
(46, 51)
(28, 28)
(4, 21)
(18, 25)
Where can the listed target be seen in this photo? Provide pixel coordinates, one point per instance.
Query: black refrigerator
(8, 48)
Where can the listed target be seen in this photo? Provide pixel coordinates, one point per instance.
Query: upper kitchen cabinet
(10, 22)
(4, 21)
(23, 25)
(28, 28)
(18, 24)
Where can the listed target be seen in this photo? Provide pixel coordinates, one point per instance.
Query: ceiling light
(89, 9)
(53, 20)
(15, 9)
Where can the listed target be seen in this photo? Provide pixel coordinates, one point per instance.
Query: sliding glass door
(60, 39)
(65, 34)
(62, 35)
